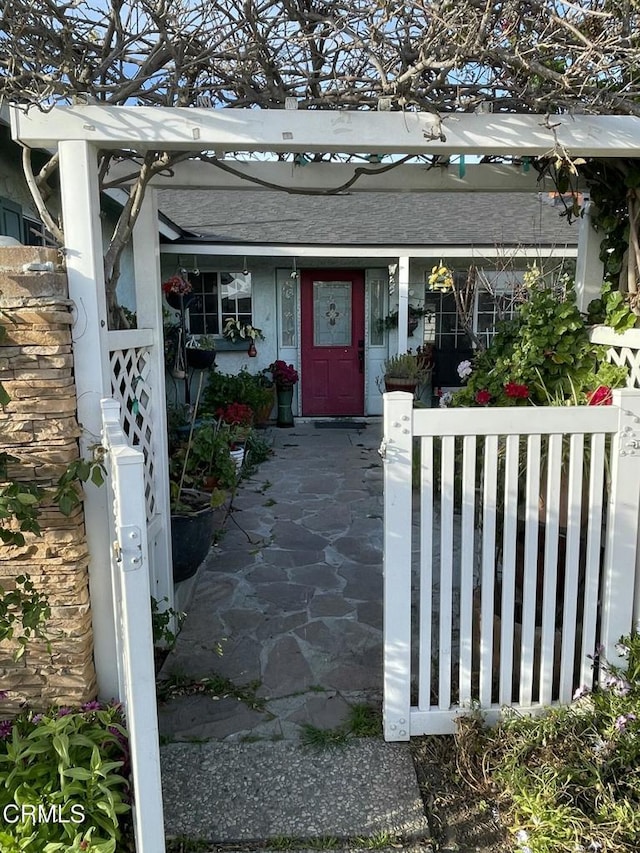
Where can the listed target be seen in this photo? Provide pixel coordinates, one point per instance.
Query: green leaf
(80, 773)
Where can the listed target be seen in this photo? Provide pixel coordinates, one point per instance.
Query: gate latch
(128, 547)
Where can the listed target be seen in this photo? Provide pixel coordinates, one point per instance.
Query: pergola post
(403, 303)
(146, 265)
(80, 200)
(589, 267)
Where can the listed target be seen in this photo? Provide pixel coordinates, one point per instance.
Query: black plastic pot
(200, 359)
(191, 535)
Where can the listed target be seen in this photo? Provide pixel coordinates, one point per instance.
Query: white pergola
(79, 132)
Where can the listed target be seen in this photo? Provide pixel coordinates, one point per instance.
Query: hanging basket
(200, 359)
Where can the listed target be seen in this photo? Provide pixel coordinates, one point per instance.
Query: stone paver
(294, 591)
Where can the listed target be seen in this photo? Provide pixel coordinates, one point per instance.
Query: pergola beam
(324, 177)
(339, 131)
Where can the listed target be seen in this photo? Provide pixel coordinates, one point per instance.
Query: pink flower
(513, 389)
(602, 396)
(482, 397)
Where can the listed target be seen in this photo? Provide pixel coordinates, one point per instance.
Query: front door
(332, 307)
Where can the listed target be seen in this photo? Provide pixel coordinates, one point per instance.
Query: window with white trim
(216, 297)
(496, 299)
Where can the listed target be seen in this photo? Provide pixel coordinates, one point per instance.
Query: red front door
(332, 307)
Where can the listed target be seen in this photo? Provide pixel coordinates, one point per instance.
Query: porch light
(294, 270)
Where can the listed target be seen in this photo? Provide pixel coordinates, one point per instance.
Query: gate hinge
(128, 547)
(382, 450)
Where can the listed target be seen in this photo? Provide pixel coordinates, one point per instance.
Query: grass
(363, 721)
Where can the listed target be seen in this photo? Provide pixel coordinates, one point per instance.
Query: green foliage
(67, 495)
(546, 348)
(25, 609)
(73, 764)
(162, 622)
(252, 389)
(611, 309)
(405, 366)
(19, 501)
(570, 779)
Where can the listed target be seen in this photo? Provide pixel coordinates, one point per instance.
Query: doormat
(340, 425)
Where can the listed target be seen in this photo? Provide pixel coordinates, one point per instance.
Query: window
(216, 297)
(496, 298)
(35, 234)
(11, 219)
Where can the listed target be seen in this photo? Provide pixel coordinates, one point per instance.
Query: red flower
(602, 396)
(237, 414)
(176, 284)
(513, 389)
(482, 397)
(283, 374)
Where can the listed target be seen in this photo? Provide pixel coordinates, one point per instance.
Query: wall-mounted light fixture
(294, 270)
(245, 268)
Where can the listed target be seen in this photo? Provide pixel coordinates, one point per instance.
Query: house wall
(271, 279)
(40, 428)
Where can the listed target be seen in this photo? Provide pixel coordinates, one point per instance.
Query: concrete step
(247, 793)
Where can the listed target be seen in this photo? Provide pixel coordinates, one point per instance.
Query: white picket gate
(513, 558)
(132, 608)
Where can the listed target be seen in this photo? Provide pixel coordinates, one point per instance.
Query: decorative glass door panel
(332, 313)
(332, 346)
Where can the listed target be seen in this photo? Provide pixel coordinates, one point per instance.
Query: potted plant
(405, 372)
(201, 352)
(414, 316)
(284, 377)
(235, 331)
(237, 417)
(192, 509)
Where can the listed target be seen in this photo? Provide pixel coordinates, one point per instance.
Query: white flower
(521, 836)
(464, 369)
(445, 400)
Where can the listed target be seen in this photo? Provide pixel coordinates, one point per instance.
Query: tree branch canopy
(539, 56)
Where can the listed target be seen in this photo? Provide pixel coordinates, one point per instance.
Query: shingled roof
(368, 219)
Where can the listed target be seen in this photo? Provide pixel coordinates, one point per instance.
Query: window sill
(223, 345)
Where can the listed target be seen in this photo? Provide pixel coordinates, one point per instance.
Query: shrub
(223, 389)
(543, 356)
(64, 781)
(570, 779)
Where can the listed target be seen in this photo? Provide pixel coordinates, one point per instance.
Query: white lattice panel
(629, 358)
(623, 350)
(130, 369)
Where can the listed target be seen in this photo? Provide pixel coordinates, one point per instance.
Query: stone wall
(39, 426)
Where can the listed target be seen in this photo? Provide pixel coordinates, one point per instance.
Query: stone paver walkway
(293, 592)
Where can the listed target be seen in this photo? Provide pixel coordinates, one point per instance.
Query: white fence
(132, 608)
(511, 558)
